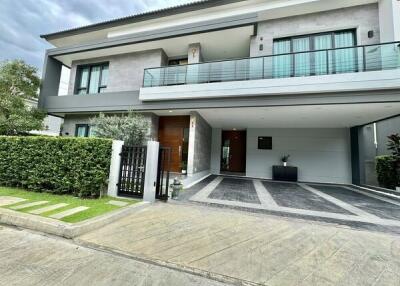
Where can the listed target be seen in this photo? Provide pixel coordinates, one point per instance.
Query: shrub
(77, 166)
(386, 171)
(131, 128)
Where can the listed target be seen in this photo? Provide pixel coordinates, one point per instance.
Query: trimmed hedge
(77, 166)
(386, 171)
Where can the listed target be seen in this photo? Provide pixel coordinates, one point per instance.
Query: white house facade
(233, 86)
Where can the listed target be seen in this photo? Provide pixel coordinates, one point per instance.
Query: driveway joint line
(264, 195)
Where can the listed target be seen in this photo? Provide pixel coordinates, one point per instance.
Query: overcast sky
(22, 21)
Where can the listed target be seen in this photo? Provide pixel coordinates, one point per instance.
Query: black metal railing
(320, 62)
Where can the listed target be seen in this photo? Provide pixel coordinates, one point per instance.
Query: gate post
(150, 179)
(115, 165)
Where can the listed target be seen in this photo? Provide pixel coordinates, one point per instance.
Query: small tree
(131, 128)
(18, 83)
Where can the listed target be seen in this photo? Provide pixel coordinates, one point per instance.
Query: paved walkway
(32, 259)
(256, 248)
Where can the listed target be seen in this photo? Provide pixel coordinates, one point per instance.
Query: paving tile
(8, 200)
(28, 205)
(69, 212)
(117, 203)
(293, 196)
(232, 189)
(371, 205)
(47, 209)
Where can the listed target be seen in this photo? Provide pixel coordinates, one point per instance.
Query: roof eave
(139, 18)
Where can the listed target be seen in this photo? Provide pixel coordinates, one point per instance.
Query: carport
(321, 139)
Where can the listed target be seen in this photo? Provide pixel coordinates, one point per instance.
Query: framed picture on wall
(265, 143)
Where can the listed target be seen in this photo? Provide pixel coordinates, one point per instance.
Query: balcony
(385, 56)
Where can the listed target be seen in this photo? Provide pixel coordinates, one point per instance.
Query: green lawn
(96, 206)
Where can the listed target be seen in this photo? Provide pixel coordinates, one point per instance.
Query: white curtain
(345, 59)
(281, 64)
(94, 79)
(302, 60)
(322, 59)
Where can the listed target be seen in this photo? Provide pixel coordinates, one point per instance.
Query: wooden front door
(233, 151)
(173, 132)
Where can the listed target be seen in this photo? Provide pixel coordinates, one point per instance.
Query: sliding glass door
(345, 59)
(302, 64)
(322, 59)
(313, 54)
(282, 64)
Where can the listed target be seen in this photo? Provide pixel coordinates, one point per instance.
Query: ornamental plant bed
(88, 208)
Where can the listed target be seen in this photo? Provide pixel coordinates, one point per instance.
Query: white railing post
(114, 168)
(149, 194)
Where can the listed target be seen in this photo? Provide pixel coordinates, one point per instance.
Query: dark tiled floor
(231, 189)
(293, 196)
(187, 193)
(373, 206)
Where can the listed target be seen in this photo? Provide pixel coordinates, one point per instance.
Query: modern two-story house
(232, 86)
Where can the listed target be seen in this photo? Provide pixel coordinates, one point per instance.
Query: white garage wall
(322, 155)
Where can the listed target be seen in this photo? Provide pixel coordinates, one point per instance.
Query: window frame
(313, 35)
(311, 38)
(87, 129)
(79, 69)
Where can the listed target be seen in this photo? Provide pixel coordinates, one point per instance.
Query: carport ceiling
(309, 116)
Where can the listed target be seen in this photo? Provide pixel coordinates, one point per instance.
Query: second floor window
(301, 56)
(92, 78)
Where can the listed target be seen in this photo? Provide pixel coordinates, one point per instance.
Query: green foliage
(77, 166)
(394, 146)
(131, 128)
(19, 83)
(386, 171)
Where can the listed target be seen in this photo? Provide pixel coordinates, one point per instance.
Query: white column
(150, 179)
(114, 168)
(192, 138)
(389, 20)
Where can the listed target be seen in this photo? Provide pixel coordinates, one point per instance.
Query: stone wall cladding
(125, 70)
(202, 143)
(363, 18)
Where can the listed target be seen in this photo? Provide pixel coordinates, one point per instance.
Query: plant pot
(284, 164)
(184, 172)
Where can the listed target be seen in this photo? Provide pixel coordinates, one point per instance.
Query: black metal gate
(164, 160)
(132, 171)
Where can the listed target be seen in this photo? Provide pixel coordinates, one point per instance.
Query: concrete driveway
(249, 248)
(28, 258)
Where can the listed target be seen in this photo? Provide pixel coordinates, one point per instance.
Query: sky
(23, 21)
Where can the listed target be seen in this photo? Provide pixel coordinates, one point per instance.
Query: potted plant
(285, 159)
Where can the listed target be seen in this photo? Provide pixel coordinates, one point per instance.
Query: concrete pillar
(389, 20)
(150, 179)
(114, 168)
(192, 138)
(50, 79)
(194, 53)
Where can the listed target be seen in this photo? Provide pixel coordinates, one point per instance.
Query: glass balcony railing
(321, 62)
